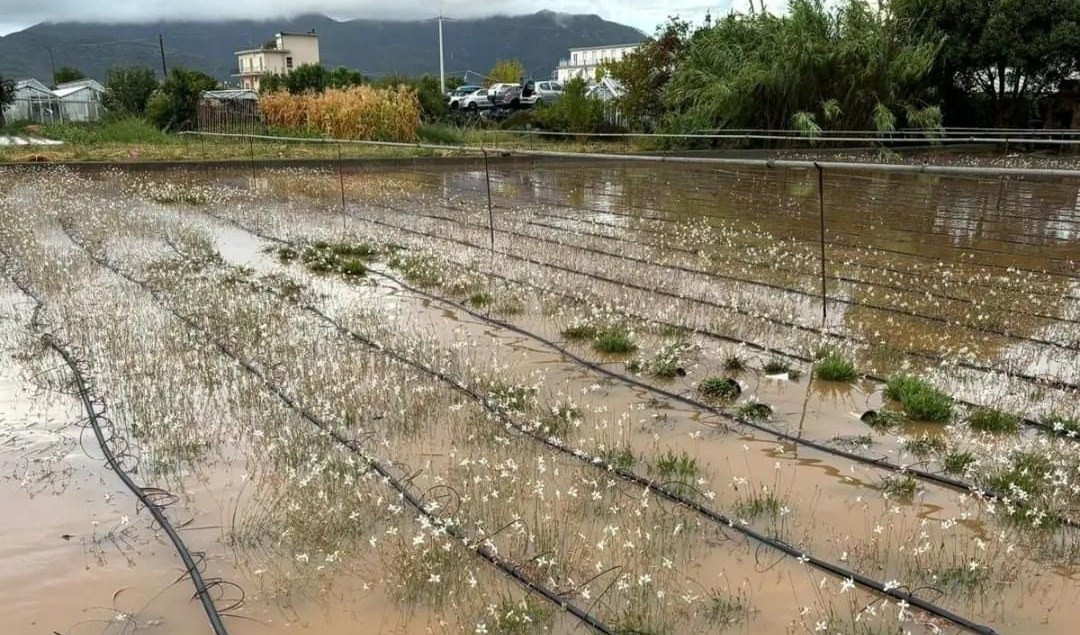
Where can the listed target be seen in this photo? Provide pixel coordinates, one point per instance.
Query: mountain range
(375, 47)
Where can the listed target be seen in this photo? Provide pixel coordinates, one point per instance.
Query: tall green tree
(175, 106)
(508, 71)
(7, 96)
(128, 90)
(645, 72)
(1010, 52)
(66, 74)
(853, 66)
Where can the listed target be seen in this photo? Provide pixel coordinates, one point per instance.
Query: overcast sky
(643, 14)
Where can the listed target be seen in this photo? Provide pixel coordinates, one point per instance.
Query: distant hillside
(539, 40)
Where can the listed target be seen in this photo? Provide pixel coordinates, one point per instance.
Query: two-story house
(278, 56)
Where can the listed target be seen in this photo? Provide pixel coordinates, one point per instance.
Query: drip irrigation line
(537, 212)
(774, 266)
(864, 247)
(650, 485)
(756, 198)
(146, 496)
(478, 548)
(948, 244)
(844, 166)
(703, 331)
(767, 285)
(881, 463)
(1052, 383)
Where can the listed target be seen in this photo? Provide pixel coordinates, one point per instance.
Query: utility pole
(52, 63)
(161, 45)
(442, 65)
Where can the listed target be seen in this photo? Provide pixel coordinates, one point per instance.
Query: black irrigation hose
(909, 254)
(93, 416)
(671, 220)
(748, 198)
(774, 266)
(1052, 383)
(755, 283)
(824, 565)
(477, 548)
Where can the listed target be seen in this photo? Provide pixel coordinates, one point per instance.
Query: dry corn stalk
(360, 112)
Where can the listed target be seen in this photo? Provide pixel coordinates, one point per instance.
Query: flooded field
(592, 397)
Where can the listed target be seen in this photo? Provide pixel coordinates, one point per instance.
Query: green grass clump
(723, 609)
(753, 411)
(964, 579)
(560, 419)
(779, 366)
(133, 130)
(883, 420)
(920, 400)
(734, 363)
(758, 506)
(957, 462)
(479, 300)
(1067, 425)
(902, 487)
(681, 467)
(990, 420)
(440, 133)
(517, 398)
(833, 367)
(621, 458)
(1026, 473)
(614, 341)
(580, 332)
(418, 269)
(925, 445)
(719, 388)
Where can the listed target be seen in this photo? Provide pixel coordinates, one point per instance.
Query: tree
(67, 74)
(175, 105)
(645, 72)
(575, 111)
(128, 90)
(1011, 52)
(342, 77)
(307, 78)
(432, 101)
(7, 96)
(508, 71)
(852, 66)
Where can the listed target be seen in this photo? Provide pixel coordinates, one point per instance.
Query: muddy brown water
(115, 569)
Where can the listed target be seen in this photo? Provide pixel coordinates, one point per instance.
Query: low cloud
(642, 14)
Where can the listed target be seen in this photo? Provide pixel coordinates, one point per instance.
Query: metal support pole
(161, 45)
(491, 230)
(442, 65)
(821, 214)
(341, 180)
(251, 144)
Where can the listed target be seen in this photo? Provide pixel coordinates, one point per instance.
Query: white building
(81, 100)
(583, 62)
(278, 56)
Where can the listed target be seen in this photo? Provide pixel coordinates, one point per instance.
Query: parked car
(504, 94)
(475, 100)
(456, 96)
(539, 92)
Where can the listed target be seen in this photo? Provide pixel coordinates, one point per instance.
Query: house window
(288, 63)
